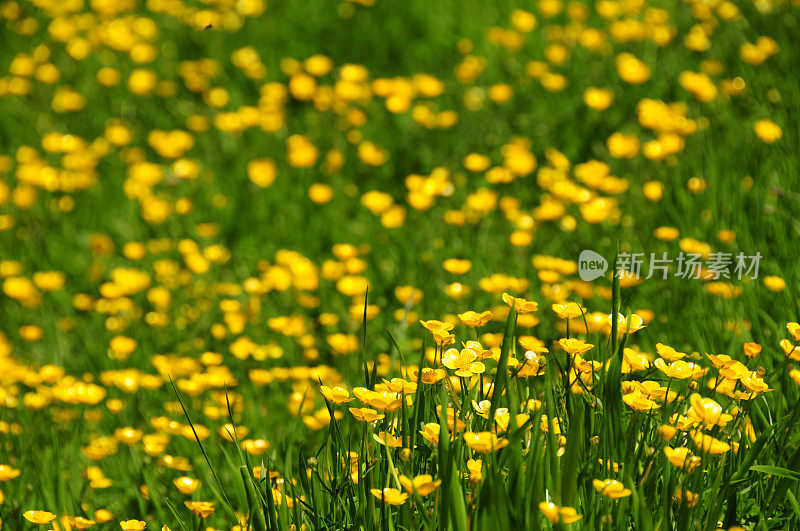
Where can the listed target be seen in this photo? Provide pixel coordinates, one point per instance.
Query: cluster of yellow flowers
(128, 204)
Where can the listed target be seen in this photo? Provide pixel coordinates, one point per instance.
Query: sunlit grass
(316, 265)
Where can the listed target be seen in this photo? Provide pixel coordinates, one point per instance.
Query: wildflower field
(400, 265)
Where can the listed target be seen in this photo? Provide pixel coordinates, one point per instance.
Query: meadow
(370, 264)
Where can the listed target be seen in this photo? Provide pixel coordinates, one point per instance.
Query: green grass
(45, 435)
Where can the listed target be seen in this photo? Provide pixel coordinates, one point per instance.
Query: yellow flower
(583, 365)
(574, 346)
(227, 431)
(475, 319)
(484, 441)
(688, 497)
(8, 473)
(128, 435)
(259, 446)
(431, 433)
(443, 339)
(678, 369)
(634, 360)
(381, 401)
(598, 99)
(666, 234)
(39, 517)
(431, 376)
(790, 349)
(436, 326)
(622, 146)
(79, 522)
(708, 444)
(408, 295)
(681, 457)
(301, 152)
(103, 515)
(475, 467)
(366, 414)
(422, 485)
(520, 305)
(337, 395)
(611, 488)
(653, 190)
(387, 439)
(477, 162)
(502, 419)
(399, 385)
(794, 329)
(639, 401)
(719, 360)
(463, 362)
(768, 131)
(734, 370)
(755, 383)
(100, 483)
(482, 408)
(653, 390)
(320, 193)
(668, 353)
(700, 85)
(532, 365)
(200, 508)
(457, 266)
(708, 411)
(478, 349)
(440, 331)
(533, 344)
(556, 514)
(390, 496)
(49, 280)
(262, 172)
(454, 423)
(377, 202)
(623, 326)
(122, 346)
(667, 432)
(569, 310)
(186, 485)
(751, 350)
(631, 69)
(774, 283)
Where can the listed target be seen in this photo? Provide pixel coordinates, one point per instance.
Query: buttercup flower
(337, 395)
(421, 485)
(8, 473)
(708, 444)
(681, 457)
(569, 310)
(521, 306)
(474, 319)
(200, 508)
(390, 496)
(708, 411)
(556, 514)
(574, 346)
(366, 414)
(462, 361)
(39, 517)
(484, 441)
(611, 488)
